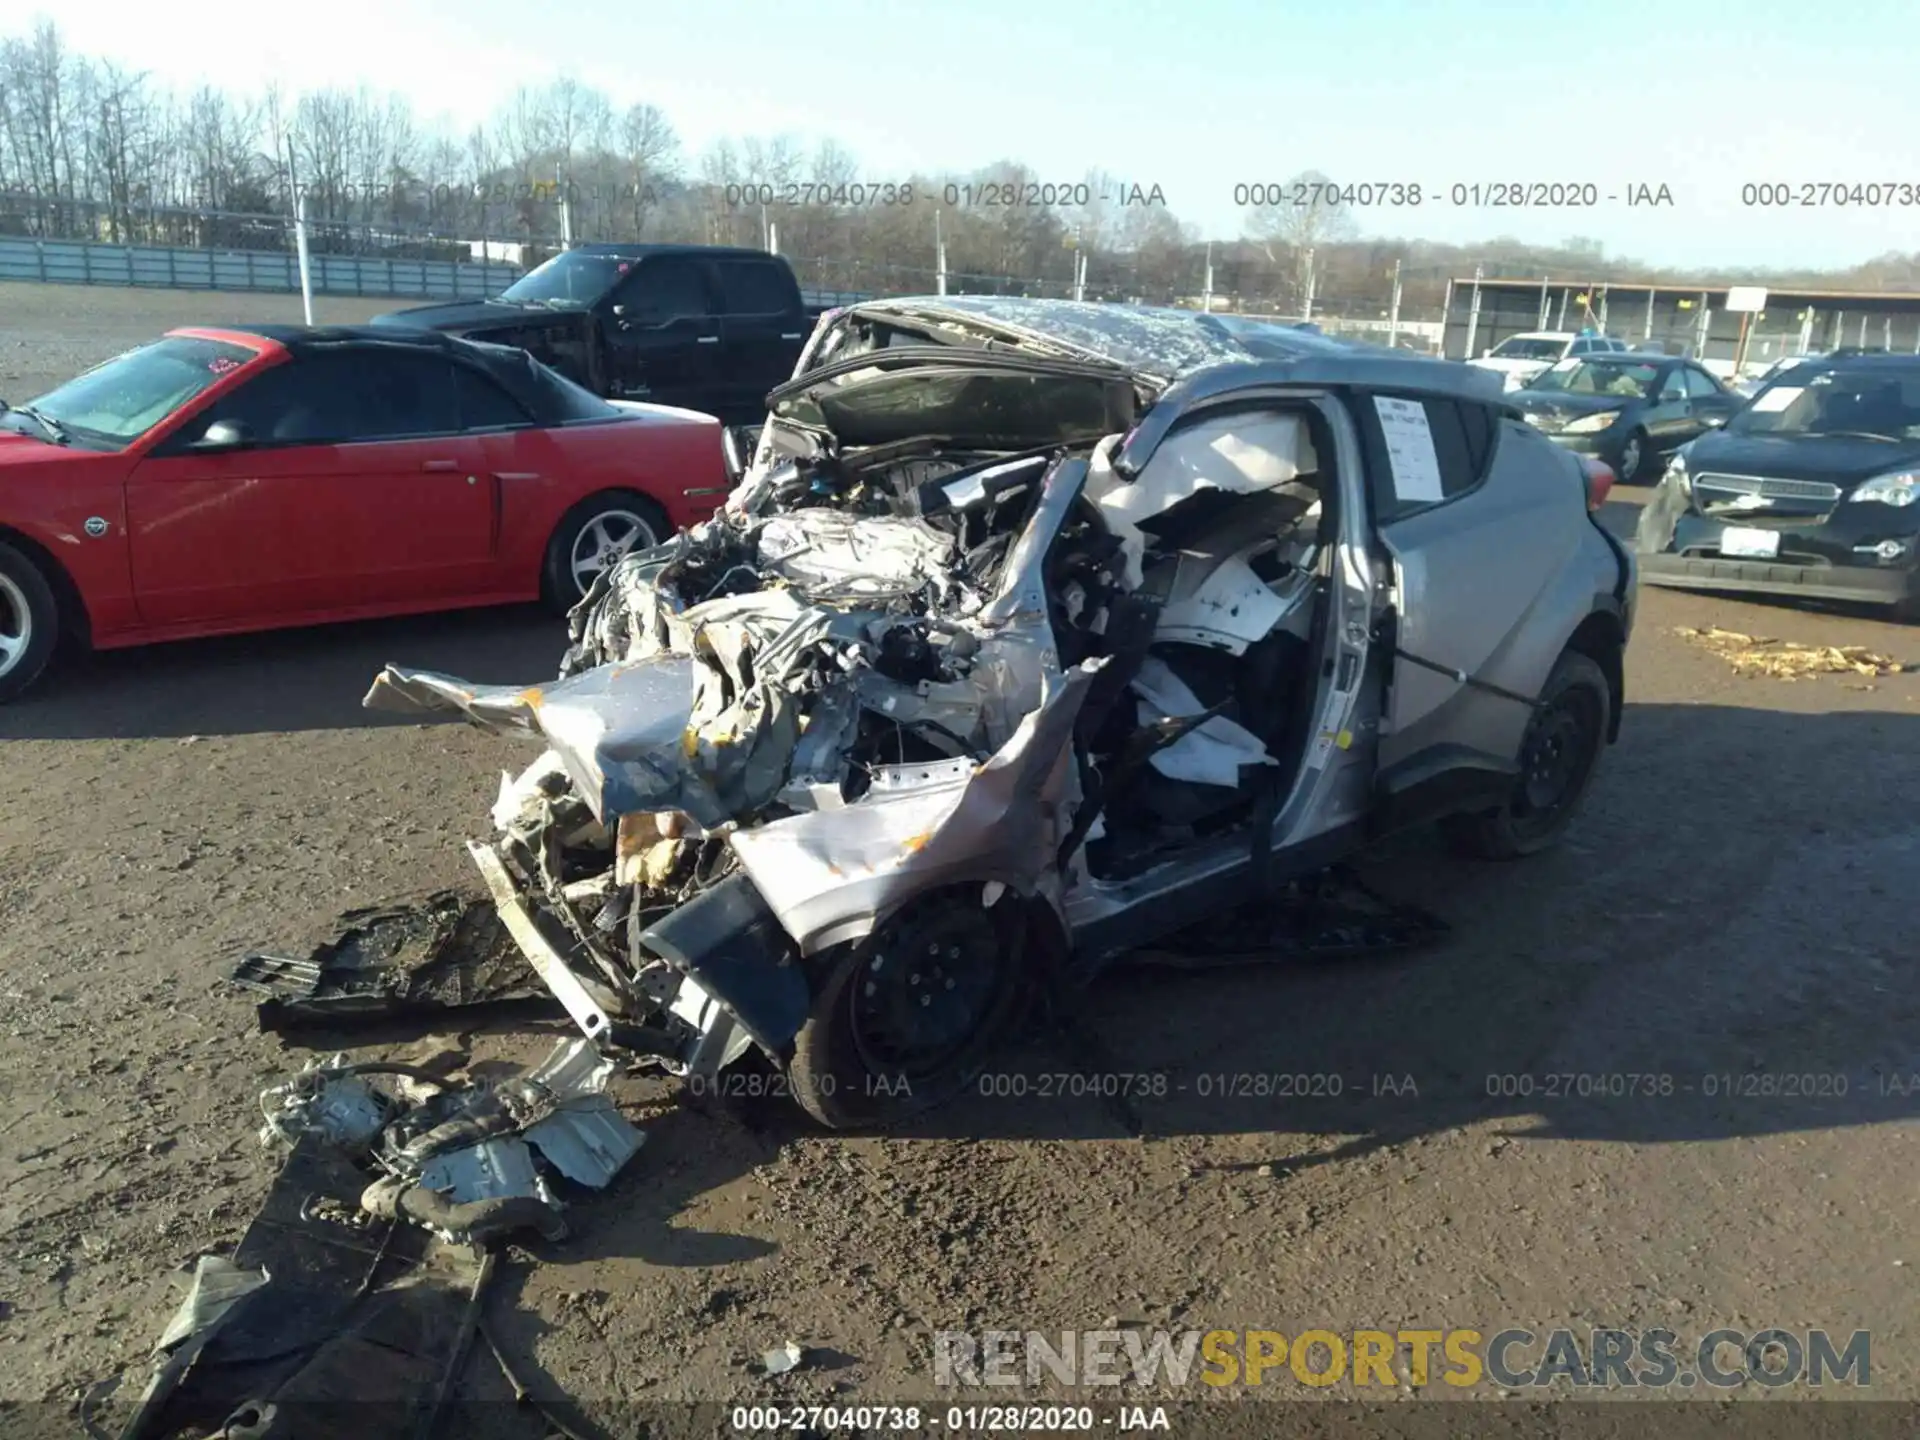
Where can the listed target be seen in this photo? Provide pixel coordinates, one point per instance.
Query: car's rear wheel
(29, 622)
(595, 534)
(1558, 757)
(1633, 458)
(902, 1020)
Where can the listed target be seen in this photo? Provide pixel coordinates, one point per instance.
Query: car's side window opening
(1464, 437)
(341, 397)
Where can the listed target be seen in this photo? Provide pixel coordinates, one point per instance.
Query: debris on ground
(461, 1160)
(1787, 659)
(1330, 915)
(442, 952)
(785, 1357)
(364, 1274)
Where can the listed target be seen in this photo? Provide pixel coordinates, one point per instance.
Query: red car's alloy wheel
(16, 624)
(603, 540)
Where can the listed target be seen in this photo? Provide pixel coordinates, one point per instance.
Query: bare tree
(1306, 218)
(649, 153)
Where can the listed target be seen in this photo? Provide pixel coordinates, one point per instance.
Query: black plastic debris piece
(445, 951)
(352, 1303)
(214, 1362)
(1330, 915)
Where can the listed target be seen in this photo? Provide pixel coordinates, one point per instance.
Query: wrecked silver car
(1034, 632)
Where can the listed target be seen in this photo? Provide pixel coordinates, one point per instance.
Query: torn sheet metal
(216, 1287)
(618, 729)
(522, 795)
(1210, 754)
(587, 1140)
(493, 1170)
(575, 1070)
(828, 875)
(952, 707)
(816, 776)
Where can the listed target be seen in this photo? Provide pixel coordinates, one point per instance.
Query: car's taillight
(1599, 482)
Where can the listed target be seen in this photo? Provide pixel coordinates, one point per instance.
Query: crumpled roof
(1163, 343)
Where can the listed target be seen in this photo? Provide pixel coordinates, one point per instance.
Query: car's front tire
(592, 536)
(1558, 757)
(29, 622)
(903, 1020)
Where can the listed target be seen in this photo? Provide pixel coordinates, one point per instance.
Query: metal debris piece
(323, 1099)
(1786, 659)
(491, 1170)
(787, 1357)
(217, 1286)
(588, 1141)
(573, 1071)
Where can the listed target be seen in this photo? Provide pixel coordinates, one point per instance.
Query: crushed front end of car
(817, 773)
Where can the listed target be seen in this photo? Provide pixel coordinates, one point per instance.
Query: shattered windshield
(1877, 403)
(572, 280)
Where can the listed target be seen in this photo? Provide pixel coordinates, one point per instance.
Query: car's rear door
(763, 329)
(1480, 515)
(356, 491)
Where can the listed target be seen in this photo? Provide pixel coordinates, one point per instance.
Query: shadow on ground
(1720, 949)
(288, 680)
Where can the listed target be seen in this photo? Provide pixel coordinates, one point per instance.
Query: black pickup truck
(704, 327)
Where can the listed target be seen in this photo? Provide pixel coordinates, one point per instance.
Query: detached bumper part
(741, 983)
(560, 979)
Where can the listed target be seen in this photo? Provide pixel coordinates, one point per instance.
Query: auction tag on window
(1410, 455)
(1778, 398)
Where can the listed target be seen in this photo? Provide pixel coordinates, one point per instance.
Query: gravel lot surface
(1737, 900)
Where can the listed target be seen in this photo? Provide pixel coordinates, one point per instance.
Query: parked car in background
(222, 480)
(1519, 358)
(1038, 631)
(1812, 489)
(702, 327)
(1625, 409)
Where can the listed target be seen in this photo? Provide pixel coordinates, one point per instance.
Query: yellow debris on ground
(1786, 659)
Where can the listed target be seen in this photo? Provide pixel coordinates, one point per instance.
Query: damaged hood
(1153, 343)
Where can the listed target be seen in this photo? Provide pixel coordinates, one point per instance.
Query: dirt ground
(1736, 901)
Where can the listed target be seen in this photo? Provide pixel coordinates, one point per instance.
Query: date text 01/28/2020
(1487, 194)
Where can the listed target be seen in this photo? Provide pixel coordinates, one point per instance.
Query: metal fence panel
(75, 262)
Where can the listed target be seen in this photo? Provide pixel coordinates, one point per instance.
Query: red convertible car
(221, 480)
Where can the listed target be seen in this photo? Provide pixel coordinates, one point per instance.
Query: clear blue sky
(1194, 95)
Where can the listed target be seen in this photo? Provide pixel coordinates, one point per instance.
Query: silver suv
(1034, 632)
